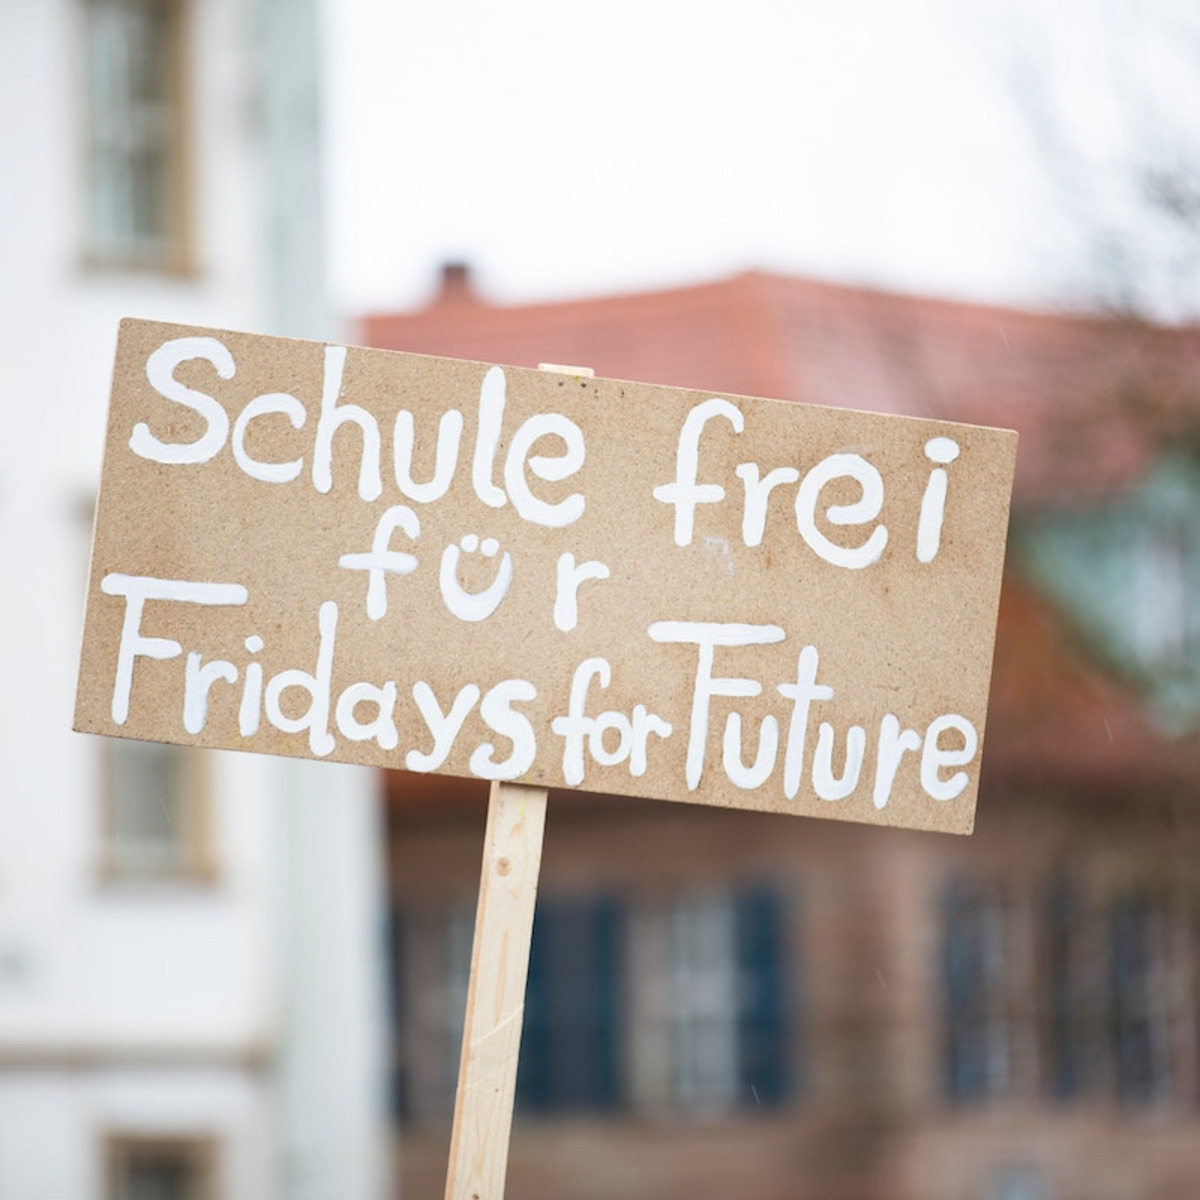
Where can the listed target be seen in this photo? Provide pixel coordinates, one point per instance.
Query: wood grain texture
(487, 1075)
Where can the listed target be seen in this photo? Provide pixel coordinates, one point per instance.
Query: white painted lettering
(574, 727)
(549, 468)
(707, 635)
(261, 406)
(570, 576)
(934, 757)
(827, 785)
(380, 560)
(160, 370)
(577, 728)
(866, 508)
(197, 679)
(644, 724)
(933, 504)
(333, 417)
(492, 394)
(252, 687)
(497, 711)
(473, 606)
(802, 693)
(893, 743)
(315, 718)
(382, 727)
(137, 589)
(749, 778)
(685, 493)
(754, 514)
(445, 463)
(443, 726)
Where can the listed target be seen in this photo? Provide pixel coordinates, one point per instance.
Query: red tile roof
(1090, 396)
(1053, 714)
(1094, 399)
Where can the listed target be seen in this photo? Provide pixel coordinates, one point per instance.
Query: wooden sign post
(542, 579)
(487, 1074)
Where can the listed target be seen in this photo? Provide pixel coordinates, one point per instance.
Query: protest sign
(544, 578)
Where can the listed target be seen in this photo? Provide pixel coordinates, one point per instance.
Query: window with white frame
(1084, 988)
(704, 988)
(434, 948)
(1139, 998)
(980, 976)
(1163, 595)
(678, 1006)
(1119, 974)
(157, 813)
(135, 212)
(1017, 1181)
(570, 1057)
(1074, 991)
(712, 1029)
(141, 1167)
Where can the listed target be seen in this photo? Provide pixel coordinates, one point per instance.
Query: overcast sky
(567, 149)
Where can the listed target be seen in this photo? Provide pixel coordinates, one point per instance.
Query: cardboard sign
(447, 566)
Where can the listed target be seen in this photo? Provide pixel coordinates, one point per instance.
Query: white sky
(566, 149)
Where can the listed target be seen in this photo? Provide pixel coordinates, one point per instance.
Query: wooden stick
(487, 1077)
(487, 1073)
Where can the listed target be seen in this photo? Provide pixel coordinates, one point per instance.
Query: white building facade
(191, 945)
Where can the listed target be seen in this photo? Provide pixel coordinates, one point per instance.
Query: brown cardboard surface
(543, 613)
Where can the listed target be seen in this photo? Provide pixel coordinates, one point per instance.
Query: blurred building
(731, 1004)
(190, 982)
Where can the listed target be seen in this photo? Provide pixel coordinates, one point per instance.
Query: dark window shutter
(763, 997)
(569, 1046)
(398, 1008)
(963, 986)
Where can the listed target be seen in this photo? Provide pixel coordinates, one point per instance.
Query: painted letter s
(160, 370)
